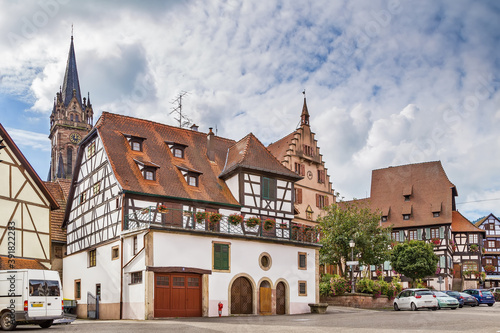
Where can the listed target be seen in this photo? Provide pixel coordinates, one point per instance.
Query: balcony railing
(177, 218)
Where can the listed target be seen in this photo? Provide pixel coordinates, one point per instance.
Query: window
(135, 277)
(435, 214)
(221, 256)
(192, 180)
(308, 150)
(268, 188)
(321, 201)
(96, 188)
(136, 145)
(489, 261)
(407, 197)
(395, 236)
(473, 239)
(302, 288)
(302, 260)
(83, 197)
(265, 261)
(469, 266)
(58, 251)
(300, 169)
(384, 218)
(117, 203)
(162, 280)
(115, 252)
(71, 117)
(193, 281)
(134, 245)
(92, 258)
(321, 176)
(76, 118)
(91, 150)
(412, 234)
(69, 160)
(149, 174)
(298, 195)
(78, 289)
(434, 233)
(491, 244)
(178, 152)
(406, 217)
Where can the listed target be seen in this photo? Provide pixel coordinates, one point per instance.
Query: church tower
(70, 121)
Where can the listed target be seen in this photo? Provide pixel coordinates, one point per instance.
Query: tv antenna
(183, 120)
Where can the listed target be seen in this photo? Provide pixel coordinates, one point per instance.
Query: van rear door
(54, 295)
(37, 306)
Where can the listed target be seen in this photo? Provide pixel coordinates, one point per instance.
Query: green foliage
(379, 287)
(327, 277)
(497, 296)
(325, 289)
(356, 222)
(414, 259)
(339, 285)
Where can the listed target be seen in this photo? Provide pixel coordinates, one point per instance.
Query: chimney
(194, 127)
(210, 145)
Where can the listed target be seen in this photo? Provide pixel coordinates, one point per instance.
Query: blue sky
(387, 82)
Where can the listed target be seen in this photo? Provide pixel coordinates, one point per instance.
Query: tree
(414, 259)
(353, 221)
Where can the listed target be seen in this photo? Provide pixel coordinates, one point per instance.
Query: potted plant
(489, 268)
(162, 209)
(235, 219)
(252, 222)
(436, 241)
(145, 210)
(201, 216)
(268, 224)
(214, 218)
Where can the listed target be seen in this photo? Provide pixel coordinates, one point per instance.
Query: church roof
(71, 81)
(250, 153)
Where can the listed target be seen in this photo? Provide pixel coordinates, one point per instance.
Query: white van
(29, 296)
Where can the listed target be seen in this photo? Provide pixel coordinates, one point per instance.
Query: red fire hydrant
(220, 308)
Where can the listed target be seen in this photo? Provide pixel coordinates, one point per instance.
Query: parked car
(446, 301)
(414, 299)
(469, 299)
(456, 295)
(495, 290)
(483, 296)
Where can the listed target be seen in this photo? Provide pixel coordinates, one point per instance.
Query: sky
(387, 82)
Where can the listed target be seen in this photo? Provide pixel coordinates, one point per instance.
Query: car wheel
(413, 307)
(490, 304)
(7, 322)
(396, 307)
(454, 308)
(460, 306)
(434, 309)
(46, 324)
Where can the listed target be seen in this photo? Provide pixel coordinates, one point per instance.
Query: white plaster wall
(234, 186)
(106, 272)
(196, 252)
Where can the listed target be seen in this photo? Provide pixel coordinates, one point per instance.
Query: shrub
(379, 287)
(339, 285)
(327, 277)
(497, 296)
(325, 288)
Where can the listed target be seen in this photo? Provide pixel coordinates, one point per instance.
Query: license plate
(428, 301)
(37, 305)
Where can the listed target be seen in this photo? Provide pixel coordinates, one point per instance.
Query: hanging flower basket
(296, 227)
(214, 218)
(436, 241)
(252, 222)
(269, 224)
(161, 209)
(283, 226)
(489, 268)
(145, 210)
(235, 219)
(201, 216)
(474, 247)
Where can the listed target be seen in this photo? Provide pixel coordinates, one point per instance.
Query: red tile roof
(169, 180)
(429, 185)
(57, 216)
(462, 224)
(250, 153)
(280, 147)
(20, 263)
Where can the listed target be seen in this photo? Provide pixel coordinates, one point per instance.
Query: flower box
(252, 222)
(489, 268)
(436, 241)
(214, 218)
(268, 224)
(235, 219)
(145, 210)
(161, 209)
(283, 226)
(474, 247)
(201, 216)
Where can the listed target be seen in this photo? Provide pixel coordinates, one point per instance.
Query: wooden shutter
(326, 200)
(427, 233)
(221, 256)
(419, 234)
(442, 262)
(317, 200)
(265, 187)
(299, 195)
(401, 236)
(441, 232)
(302, 170)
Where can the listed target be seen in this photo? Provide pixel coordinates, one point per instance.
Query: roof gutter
(183, 199)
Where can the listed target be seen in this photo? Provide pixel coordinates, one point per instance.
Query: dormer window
(148, 169)
(190, 175)
(435, 214)
(407, 192)
(407, 197)
(384, 218)
(406, 217)
(149, 174)
(176, 148)
(135, 142)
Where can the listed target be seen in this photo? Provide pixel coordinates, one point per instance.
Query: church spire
(304, 117)
(71, 84)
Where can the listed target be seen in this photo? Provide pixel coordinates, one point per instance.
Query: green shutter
(419, 234)
(387, 266)
(442, 261)
(427, 233)
(401, 236)
(221, 256)
(372, 267)
(441, 232)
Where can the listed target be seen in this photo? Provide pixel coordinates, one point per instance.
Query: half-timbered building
(491, 254)
(25, 205)
(300, 153)
(154, 225)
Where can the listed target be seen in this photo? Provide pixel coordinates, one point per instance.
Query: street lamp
(351, 244)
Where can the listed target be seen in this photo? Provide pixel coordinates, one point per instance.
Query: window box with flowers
(436, 241)
(235, 219)
(201, 216)
(489, 268)
(214, 219)
(268, 224)
(474, 247)
(252, 222)
(283, 226)
(145, 210)
(162, 209)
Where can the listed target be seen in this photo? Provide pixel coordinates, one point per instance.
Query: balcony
(188, 220)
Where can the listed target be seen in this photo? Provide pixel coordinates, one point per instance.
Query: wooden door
(177, 295)
(280, 299)
(265, 300)
(241, 296)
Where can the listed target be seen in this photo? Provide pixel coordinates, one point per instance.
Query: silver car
(414, 299)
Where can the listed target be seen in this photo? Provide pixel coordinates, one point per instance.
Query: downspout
(121, 259)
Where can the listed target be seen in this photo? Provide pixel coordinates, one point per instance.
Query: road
(338, 319)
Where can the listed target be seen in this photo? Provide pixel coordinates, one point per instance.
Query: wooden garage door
(177, 295)
(241, 296)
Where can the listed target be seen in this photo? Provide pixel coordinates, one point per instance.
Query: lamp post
(351, 244)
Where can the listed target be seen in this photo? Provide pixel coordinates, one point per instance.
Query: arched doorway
(265, 298)
(241, 296)
(280, 298)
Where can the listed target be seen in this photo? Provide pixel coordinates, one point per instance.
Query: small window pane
(38, 288)
(136, 278)
(162, 280)
(53, 288)
(192, 181)
(178, 281)
(136, 146)
(178, 152)
(193, 282)
(149, 175)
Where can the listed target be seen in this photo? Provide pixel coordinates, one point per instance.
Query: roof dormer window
(135, 142)
(192, 180)
(176, 148)
(149, 174)
(148, 169)
(178, 152)
(190, 175)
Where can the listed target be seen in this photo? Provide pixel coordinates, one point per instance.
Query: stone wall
(363, 301)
